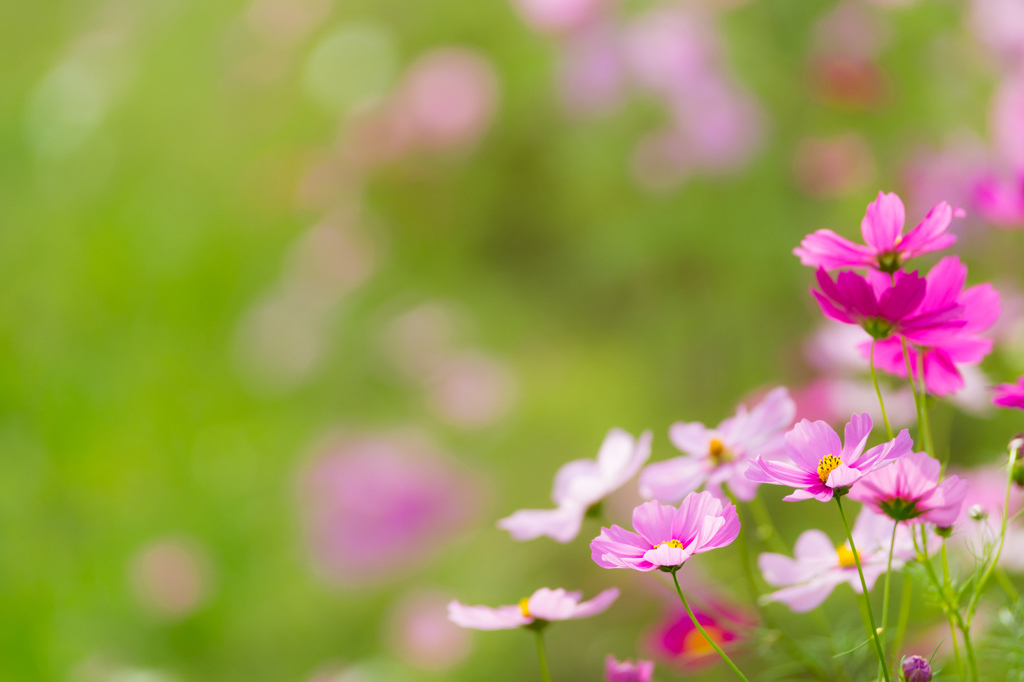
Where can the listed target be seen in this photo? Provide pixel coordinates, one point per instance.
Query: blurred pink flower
(423, 636)
(471, 390)
(286, 21)
(1000, 25)
(593, 72)
(999, 202)
(579, 485)
(911, 490)
(822, 464)
(819, 566)
(833, 166)
(946, 174)
(852, 30)
(448, 97)
(559, 16)
(834, 399)
(718, 456)
(420, 339)
(171, 577)
(667, 536)
(378, 505)
(943, 349)
(848, 83)
(679, 643)
(669, 50)
(887, 249)
(982, 514)
(544, 605)
(1010, 395)
(627, 671)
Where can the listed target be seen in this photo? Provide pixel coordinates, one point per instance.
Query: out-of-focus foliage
(238, 237)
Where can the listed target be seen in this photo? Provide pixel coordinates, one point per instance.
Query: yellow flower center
(846, 556)
(671, 543)
(694, 643)
(826, 465)
(524, 604)
(718, 452)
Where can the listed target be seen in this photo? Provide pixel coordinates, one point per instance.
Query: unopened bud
(944, 531)
(1017, 474)
(1016, 443)
(916, 669)
(977, 512)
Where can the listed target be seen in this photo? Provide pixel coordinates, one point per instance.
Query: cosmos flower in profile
(721, 455)
(819, 566)
(1010, 395)
(886, 248)
(910, 490)
(543, 606)
(823, 466)
(667, 537)
(579, 485)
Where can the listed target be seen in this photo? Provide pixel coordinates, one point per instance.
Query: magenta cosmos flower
(722, 454)
(678, 643)
(887, 247)
(544, 605)
(1009, 395)
(822, 465)
(910, 489)
(581, 484)
(627, 671)
(883, 307)
(944, 348)
(1001, 203)
(666, 537)
(819, 566)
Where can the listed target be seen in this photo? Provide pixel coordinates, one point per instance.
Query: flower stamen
(846, 556)
(718, 452)
(524, 605)
(826, 466)
(670, 543)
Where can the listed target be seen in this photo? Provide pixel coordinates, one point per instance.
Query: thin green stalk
(878, 392)
(545, 675)
(766, 526)
(904, 618)
(922, 558)
(947, 586)
(980, 585)
(1008, 588)
(885, 591)
(700, 629)
(741, 543)
(863, 583)
(925, 424)
(913, 389)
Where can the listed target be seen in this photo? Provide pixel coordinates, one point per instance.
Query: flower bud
(1017, 473)
(977, 512)
(944, 531)
(1015, 444)
(916, 669)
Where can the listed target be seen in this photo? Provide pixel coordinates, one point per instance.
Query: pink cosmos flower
(887, 247)
(579, 485)
(999, 201)
(982, 514)
(721, 455)
(819, 566)
(627, 671)
(910, 489)
(544, 605)
(944, 349)
(1010, 395)
(822, 464)
(667, 536)
(881, 307)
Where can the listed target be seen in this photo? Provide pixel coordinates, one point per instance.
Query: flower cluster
(921, 328)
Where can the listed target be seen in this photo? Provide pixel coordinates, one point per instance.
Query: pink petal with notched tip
(673, 479)
(487, 618)
(883, 222)
(808, 442)
(561, 524)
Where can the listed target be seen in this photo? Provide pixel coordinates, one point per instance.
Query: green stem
(863, 583)
(901, 624)
(545, 675)
(925, 424)
(913, 389)
(765, 527)
(947, 586)
(701, 630)
(741, 543)
(922, 558)
(878, 392)
(980, 585)
(885, 591)
(1007, 585)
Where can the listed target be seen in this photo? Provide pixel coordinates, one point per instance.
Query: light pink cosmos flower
(944, 348)
(822, 464)
(910, 489)
(667, 536)
(721, 455)
(1010, 395)
(544, 605)
(579, 485)
(887, 247)
(819, 566)
(882, 307)
(627, 671)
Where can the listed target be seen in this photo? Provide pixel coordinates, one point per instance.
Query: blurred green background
(155, 165)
